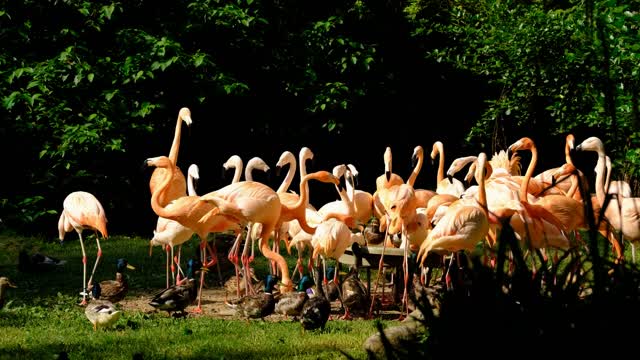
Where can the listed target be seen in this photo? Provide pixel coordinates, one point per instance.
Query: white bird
(171, 233)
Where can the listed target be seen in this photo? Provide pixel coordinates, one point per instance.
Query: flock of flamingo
(545, 210)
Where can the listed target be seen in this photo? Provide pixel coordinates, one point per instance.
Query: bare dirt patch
(213, 306)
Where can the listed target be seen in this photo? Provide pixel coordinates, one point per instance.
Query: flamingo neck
(160, 192)
(527, 176)
(191, 189)
(439, 151)
(416, 170)
(480, 178)
(175, 145)
(237, 173)
(601, 168)
(304, 187)
(289, 178)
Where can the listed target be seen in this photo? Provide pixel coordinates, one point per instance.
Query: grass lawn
(41, 317)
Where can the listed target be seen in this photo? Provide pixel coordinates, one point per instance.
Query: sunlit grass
(41, 317)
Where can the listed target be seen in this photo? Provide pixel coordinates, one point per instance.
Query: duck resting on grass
(177, 297)
(259, 305)
(37, 262)
(101, 313)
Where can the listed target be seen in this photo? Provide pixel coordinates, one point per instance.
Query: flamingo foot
(346, 316)
(197, 310)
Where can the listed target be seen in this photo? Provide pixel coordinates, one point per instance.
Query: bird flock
(544, 208)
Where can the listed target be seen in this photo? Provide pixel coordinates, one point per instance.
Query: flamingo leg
(214, 260)
(177, 261)
(245, 265)
(166, 252)
(98, 256)
(233, 257)
(173, 267)
(380, 271)
(84, 271)
(203, 256)
(405, 268)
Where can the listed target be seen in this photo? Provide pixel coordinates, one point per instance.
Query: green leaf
(107, 10)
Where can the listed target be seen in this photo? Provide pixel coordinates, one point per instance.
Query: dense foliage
(85, 86)
(555, 67)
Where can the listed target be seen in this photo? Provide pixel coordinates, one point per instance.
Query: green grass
(41, 317)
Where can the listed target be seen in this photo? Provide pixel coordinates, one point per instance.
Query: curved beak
(414, 160)
(278, 169)
(388, 175)
(145, 165)
(12, 284)
(130, 267)
(150, 248)
(351, 181)
(450, 178)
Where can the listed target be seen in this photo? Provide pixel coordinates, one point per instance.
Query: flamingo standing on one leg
(82, 210)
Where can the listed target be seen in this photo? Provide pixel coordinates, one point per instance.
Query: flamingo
(292, 210)
(578, 179)
(192, 213)
(463, 225)
(622, 213)
(331, 240)
(171, 233)
(389, 178)
(546, 176)
(384, 182)
(234, 162)
(82, 211)
(251, 201)
(253, 163)
(535, 223)
(444, 185)
(422, 195)
(178, 184)
(363, 200)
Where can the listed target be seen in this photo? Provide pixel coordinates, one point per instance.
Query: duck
(316, 310)
(355, 296)
(4, 283)
(38, 262)
(291, 303)
(101, 313)
(177, 297)
(259, 305)
(371, 232)
(115, 290)
(231, 285)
